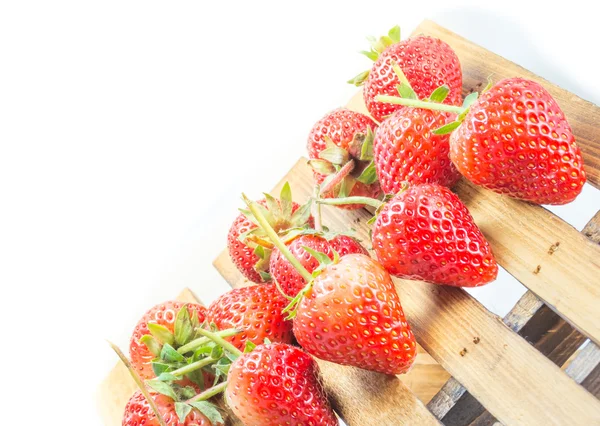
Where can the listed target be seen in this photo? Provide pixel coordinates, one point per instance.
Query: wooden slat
(585, 368)
(118, 386)
(479, 63)
(543, 252)
(541, 327)
(447, 320)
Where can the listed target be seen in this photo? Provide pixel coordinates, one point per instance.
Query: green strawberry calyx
(344, 168)
(378, 46)
(176, 392)
(281, 217)
(324, 262)
(207, 351)
(434, 102)
(192, 349)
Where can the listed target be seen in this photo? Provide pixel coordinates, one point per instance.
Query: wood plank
(447, 320)
(541, 327)
(543, 252)
(585, 368)
(551, 335)
(479, 63)
(116, 389)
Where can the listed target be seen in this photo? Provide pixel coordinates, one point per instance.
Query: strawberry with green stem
(406, 149)
(288, 278)
(349, 312)
(426, 233)
(515, 140)
(340, 147)
(165, 323)
(166, 405)
(426, 63)
(166, 344)
(249, 249)
(271, 384)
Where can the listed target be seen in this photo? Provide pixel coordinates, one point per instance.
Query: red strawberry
(352, 315)
(250, 256)
(426, 62)
(139, 413)
(290, 281)
(254, 309)
(339, 160)
(278, 384)
(515, 140)
(405, 149)
(427, 233)
(163, 314)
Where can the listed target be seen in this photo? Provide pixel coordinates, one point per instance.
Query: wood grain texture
(549, 333)
(447, 320)
(584, 367)
(118, 386)
(524, 236)
(478, 63)
(541, 327)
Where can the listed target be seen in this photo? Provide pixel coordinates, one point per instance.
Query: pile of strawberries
(319, 293)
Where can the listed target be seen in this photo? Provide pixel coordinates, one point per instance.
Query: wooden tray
(504, 370)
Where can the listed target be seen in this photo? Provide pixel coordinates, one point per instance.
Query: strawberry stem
(220, 341)
(193, 366)
(195, 344)
(317, 212)
(139, 383)
(264, 224)
(209, 393)
(373, 202)
(419, 104)
(338, 177)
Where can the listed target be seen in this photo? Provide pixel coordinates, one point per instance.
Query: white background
(128, 130)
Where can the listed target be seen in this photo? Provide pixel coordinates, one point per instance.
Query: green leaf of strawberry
(169, 354)
(440, 94)
(368, 175)
(151, 343)
(161, 333)
(162, 388)
(184, 330)
(182, 409)
(209, 410)
(447, 128)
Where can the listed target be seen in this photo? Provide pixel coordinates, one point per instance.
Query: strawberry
(278, 384)
(340, 149)
(290, 281)
(425, 63)
(349, 312)
(515, 140)
(352, 315)
(139, 413)
(160, 321)
(405, 149)
(256, 310)
(427, 233)
(248, 249)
